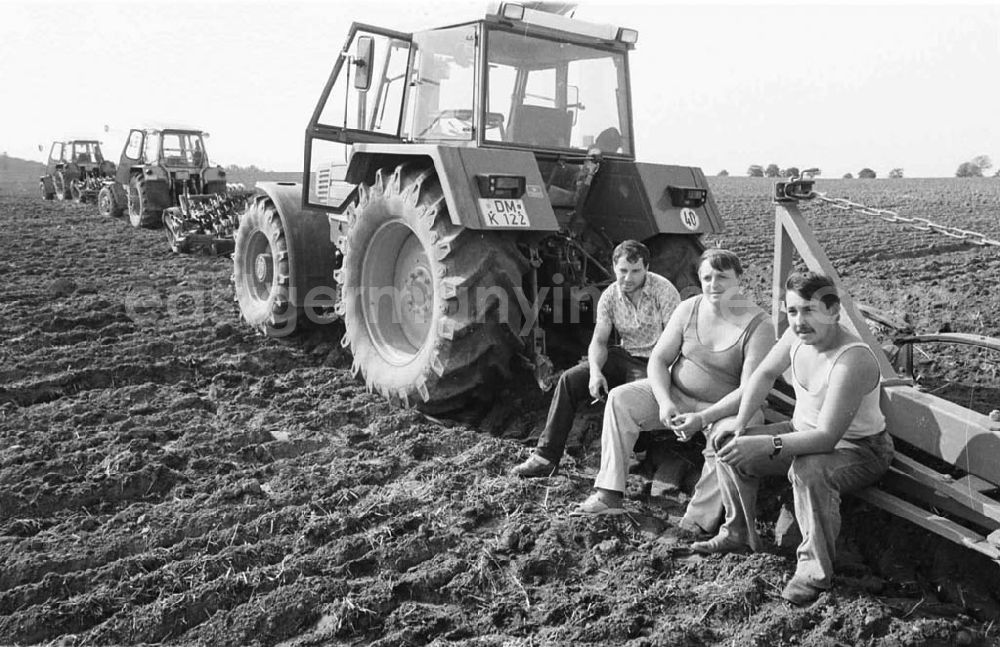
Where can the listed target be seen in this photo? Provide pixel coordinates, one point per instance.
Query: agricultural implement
(488, 171)
(76, 170)
(164, 178)
(946, 473)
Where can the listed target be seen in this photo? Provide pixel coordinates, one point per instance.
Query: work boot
(535, 467)
(720, 544)
(801, 593)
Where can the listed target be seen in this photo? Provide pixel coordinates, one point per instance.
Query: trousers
(572, 391)
(818, 481)
(633, 408)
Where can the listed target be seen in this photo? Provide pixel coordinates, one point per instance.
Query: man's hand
(686, 425)
(668, 413)
(743, 450)
(598, 385)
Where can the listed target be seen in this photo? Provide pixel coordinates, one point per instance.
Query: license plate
(499, 212)
(182, 175)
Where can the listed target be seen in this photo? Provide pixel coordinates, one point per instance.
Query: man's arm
(664, 353)
(755, 389)
(597, 355)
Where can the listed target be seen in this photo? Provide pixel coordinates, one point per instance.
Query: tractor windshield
(86, 153)
(551, 94)
(183, 149)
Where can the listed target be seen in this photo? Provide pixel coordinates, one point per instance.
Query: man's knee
(808, 468)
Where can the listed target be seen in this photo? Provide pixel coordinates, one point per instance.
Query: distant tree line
(976, 167)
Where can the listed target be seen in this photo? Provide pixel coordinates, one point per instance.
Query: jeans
(572, 391)
(817, 481)
(633, 408)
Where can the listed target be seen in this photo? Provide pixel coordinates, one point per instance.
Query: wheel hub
(263, 268)
(418, 292)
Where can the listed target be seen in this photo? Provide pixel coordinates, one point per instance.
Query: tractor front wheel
(140, 212)
(261, 271)
(76, 190)
(62, 186)
(107, 205)
(430, 309)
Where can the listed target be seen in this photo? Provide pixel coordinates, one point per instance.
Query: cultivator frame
(928, 430)
(205, 221)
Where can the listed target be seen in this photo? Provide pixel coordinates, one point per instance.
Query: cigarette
(595, 400)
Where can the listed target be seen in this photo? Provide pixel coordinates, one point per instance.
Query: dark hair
(810, 284)
(721, 260)
(633, 251)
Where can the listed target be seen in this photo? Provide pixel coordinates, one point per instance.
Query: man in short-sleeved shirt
(638, 305)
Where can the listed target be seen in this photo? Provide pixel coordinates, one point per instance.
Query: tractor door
(55, 158)
(362, 102)
(131, 157)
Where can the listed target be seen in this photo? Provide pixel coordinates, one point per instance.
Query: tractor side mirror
(363, 63)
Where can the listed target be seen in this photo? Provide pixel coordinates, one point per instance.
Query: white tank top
(868, 421)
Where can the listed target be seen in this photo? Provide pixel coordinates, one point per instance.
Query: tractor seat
(540, 126)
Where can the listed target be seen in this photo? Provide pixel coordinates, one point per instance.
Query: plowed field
(169, 477)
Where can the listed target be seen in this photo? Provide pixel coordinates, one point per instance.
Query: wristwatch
(777, 443)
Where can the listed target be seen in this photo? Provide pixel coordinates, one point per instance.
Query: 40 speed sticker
(690, 219)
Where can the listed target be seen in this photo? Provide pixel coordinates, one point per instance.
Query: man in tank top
(637, 305)
(835, 442)
(709, 348)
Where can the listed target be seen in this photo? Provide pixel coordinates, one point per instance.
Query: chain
(916, 222)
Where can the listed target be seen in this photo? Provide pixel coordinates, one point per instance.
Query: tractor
(463, 190)
(164, 177)
(76, 170)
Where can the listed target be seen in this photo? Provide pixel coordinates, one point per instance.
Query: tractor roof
(550, 16)
(159, 126)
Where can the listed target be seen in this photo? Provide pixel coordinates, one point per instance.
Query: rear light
(682, 196)
(501, 186)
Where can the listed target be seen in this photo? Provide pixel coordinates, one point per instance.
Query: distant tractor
(490, 172)
(76, 170)
(164, 177)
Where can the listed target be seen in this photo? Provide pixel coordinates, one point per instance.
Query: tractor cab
(171, 161)
(74, 168)
(518, 79)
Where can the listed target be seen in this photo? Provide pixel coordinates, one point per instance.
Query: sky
(720, 86)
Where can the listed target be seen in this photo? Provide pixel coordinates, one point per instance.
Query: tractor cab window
(442, 85)
(557, 95)
(182, 149)
(151, 151)
(378, 108)
(56, 154)
(133, 149)
(86, 153)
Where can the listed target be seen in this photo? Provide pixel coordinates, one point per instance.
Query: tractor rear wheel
(675, 257)
(430, 310)
(62, 186)
(46, 194)
(107, 205)
(140, 212)
(261, 271)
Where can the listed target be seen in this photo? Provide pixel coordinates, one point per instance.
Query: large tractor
(76, 170)
(165, 177)
(463, 190)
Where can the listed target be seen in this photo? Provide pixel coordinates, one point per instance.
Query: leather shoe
(535, 467)
(801, 593)
(720, 544)
(595, 506)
